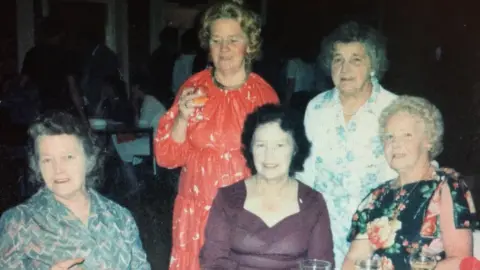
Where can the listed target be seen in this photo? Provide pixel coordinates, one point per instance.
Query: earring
(373, 78)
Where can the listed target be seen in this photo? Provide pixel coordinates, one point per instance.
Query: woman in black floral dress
(423, 209)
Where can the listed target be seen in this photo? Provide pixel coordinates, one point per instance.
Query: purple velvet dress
(238, 239)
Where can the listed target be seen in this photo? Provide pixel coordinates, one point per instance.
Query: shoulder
(232, 196)
(14, 215)
(199, 77)
(385, 97)
(309, 196)
(257, 80)
(116, 211)
(321, 101)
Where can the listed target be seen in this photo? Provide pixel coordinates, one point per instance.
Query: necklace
(227, 87)
(396, 212)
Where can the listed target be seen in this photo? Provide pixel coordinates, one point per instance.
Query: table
(121, 129)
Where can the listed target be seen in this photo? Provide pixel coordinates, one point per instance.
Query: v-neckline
(262, 221)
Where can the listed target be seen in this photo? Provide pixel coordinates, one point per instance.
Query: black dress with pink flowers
(417, 223)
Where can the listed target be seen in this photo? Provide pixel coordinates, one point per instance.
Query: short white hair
(423, 109)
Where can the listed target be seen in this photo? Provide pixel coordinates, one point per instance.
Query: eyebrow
(229, 36)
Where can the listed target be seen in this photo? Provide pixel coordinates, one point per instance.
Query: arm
(171, 147)
(215, 253)
(321, 241)
(455, 226)
(139, 257)
(11, 245)
(359, 250)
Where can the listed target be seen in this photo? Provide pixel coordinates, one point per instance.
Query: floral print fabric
(417, 224)
(347, 159)
(211, 156)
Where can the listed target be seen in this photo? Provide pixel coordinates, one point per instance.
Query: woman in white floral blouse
(422, 209)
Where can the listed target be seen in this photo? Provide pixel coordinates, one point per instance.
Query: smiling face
(350, 67)
(62, 164)
(272, 150)
(228, 45)
(405, 141)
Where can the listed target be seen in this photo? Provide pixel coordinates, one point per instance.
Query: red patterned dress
(210, 157)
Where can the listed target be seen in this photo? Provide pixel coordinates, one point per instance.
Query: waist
(273, 261)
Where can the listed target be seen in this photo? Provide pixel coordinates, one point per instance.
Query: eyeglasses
(234, 41)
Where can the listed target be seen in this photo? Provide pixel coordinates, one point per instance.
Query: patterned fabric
(418, 222)
(346, 160)
(42, 232)
(211, 156)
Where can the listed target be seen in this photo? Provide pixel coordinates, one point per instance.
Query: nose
(58, 166)
(224, 45)
(344, 67)
(269, 154)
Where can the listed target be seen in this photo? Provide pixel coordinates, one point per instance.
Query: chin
(66, 193)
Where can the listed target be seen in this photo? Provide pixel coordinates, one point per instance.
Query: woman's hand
(187, 102)
(68, 264)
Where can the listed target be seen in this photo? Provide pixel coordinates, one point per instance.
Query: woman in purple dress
(270, 220)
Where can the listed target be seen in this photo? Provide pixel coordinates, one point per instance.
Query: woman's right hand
(68, 264)
(187, 102)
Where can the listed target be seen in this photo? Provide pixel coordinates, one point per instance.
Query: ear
(428, 146)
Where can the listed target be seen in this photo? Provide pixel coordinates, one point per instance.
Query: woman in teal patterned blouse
(423, 210)
(67, 223)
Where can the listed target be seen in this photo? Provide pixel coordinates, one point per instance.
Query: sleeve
(464, 212)
(321, 241)
(358, 229)
(291, 69)
(215, 253)
(11, 255)
(168, 152)
(139, 257)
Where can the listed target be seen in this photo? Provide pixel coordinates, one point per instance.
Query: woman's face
(228, 45)
(406, 143)
(62, 164)
(272, 151)
(351, 67)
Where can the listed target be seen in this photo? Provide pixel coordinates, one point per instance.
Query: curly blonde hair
(423, 109)
(249, 22)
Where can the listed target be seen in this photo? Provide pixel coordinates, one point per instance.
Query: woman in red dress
(201, 132)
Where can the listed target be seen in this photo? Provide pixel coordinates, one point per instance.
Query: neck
(352, 102)
(76, 203)
(272, 186)
(231, 78)
(422, 171)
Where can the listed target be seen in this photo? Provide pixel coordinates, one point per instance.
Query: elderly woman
(203, 136)
(347, 155)
(420, 210)
(270, 220)
(66, 222)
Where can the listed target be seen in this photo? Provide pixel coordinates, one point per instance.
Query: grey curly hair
(60, 123)
(371, 39)
(423, 109)
(249, 22)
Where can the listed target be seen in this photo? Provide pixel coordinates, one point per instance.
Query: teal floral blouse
(42, 232)
(417, 226)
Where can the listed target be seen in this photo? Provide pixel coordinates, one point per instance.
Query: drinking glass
(369, 264)
(422, 261)
(312, 264)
